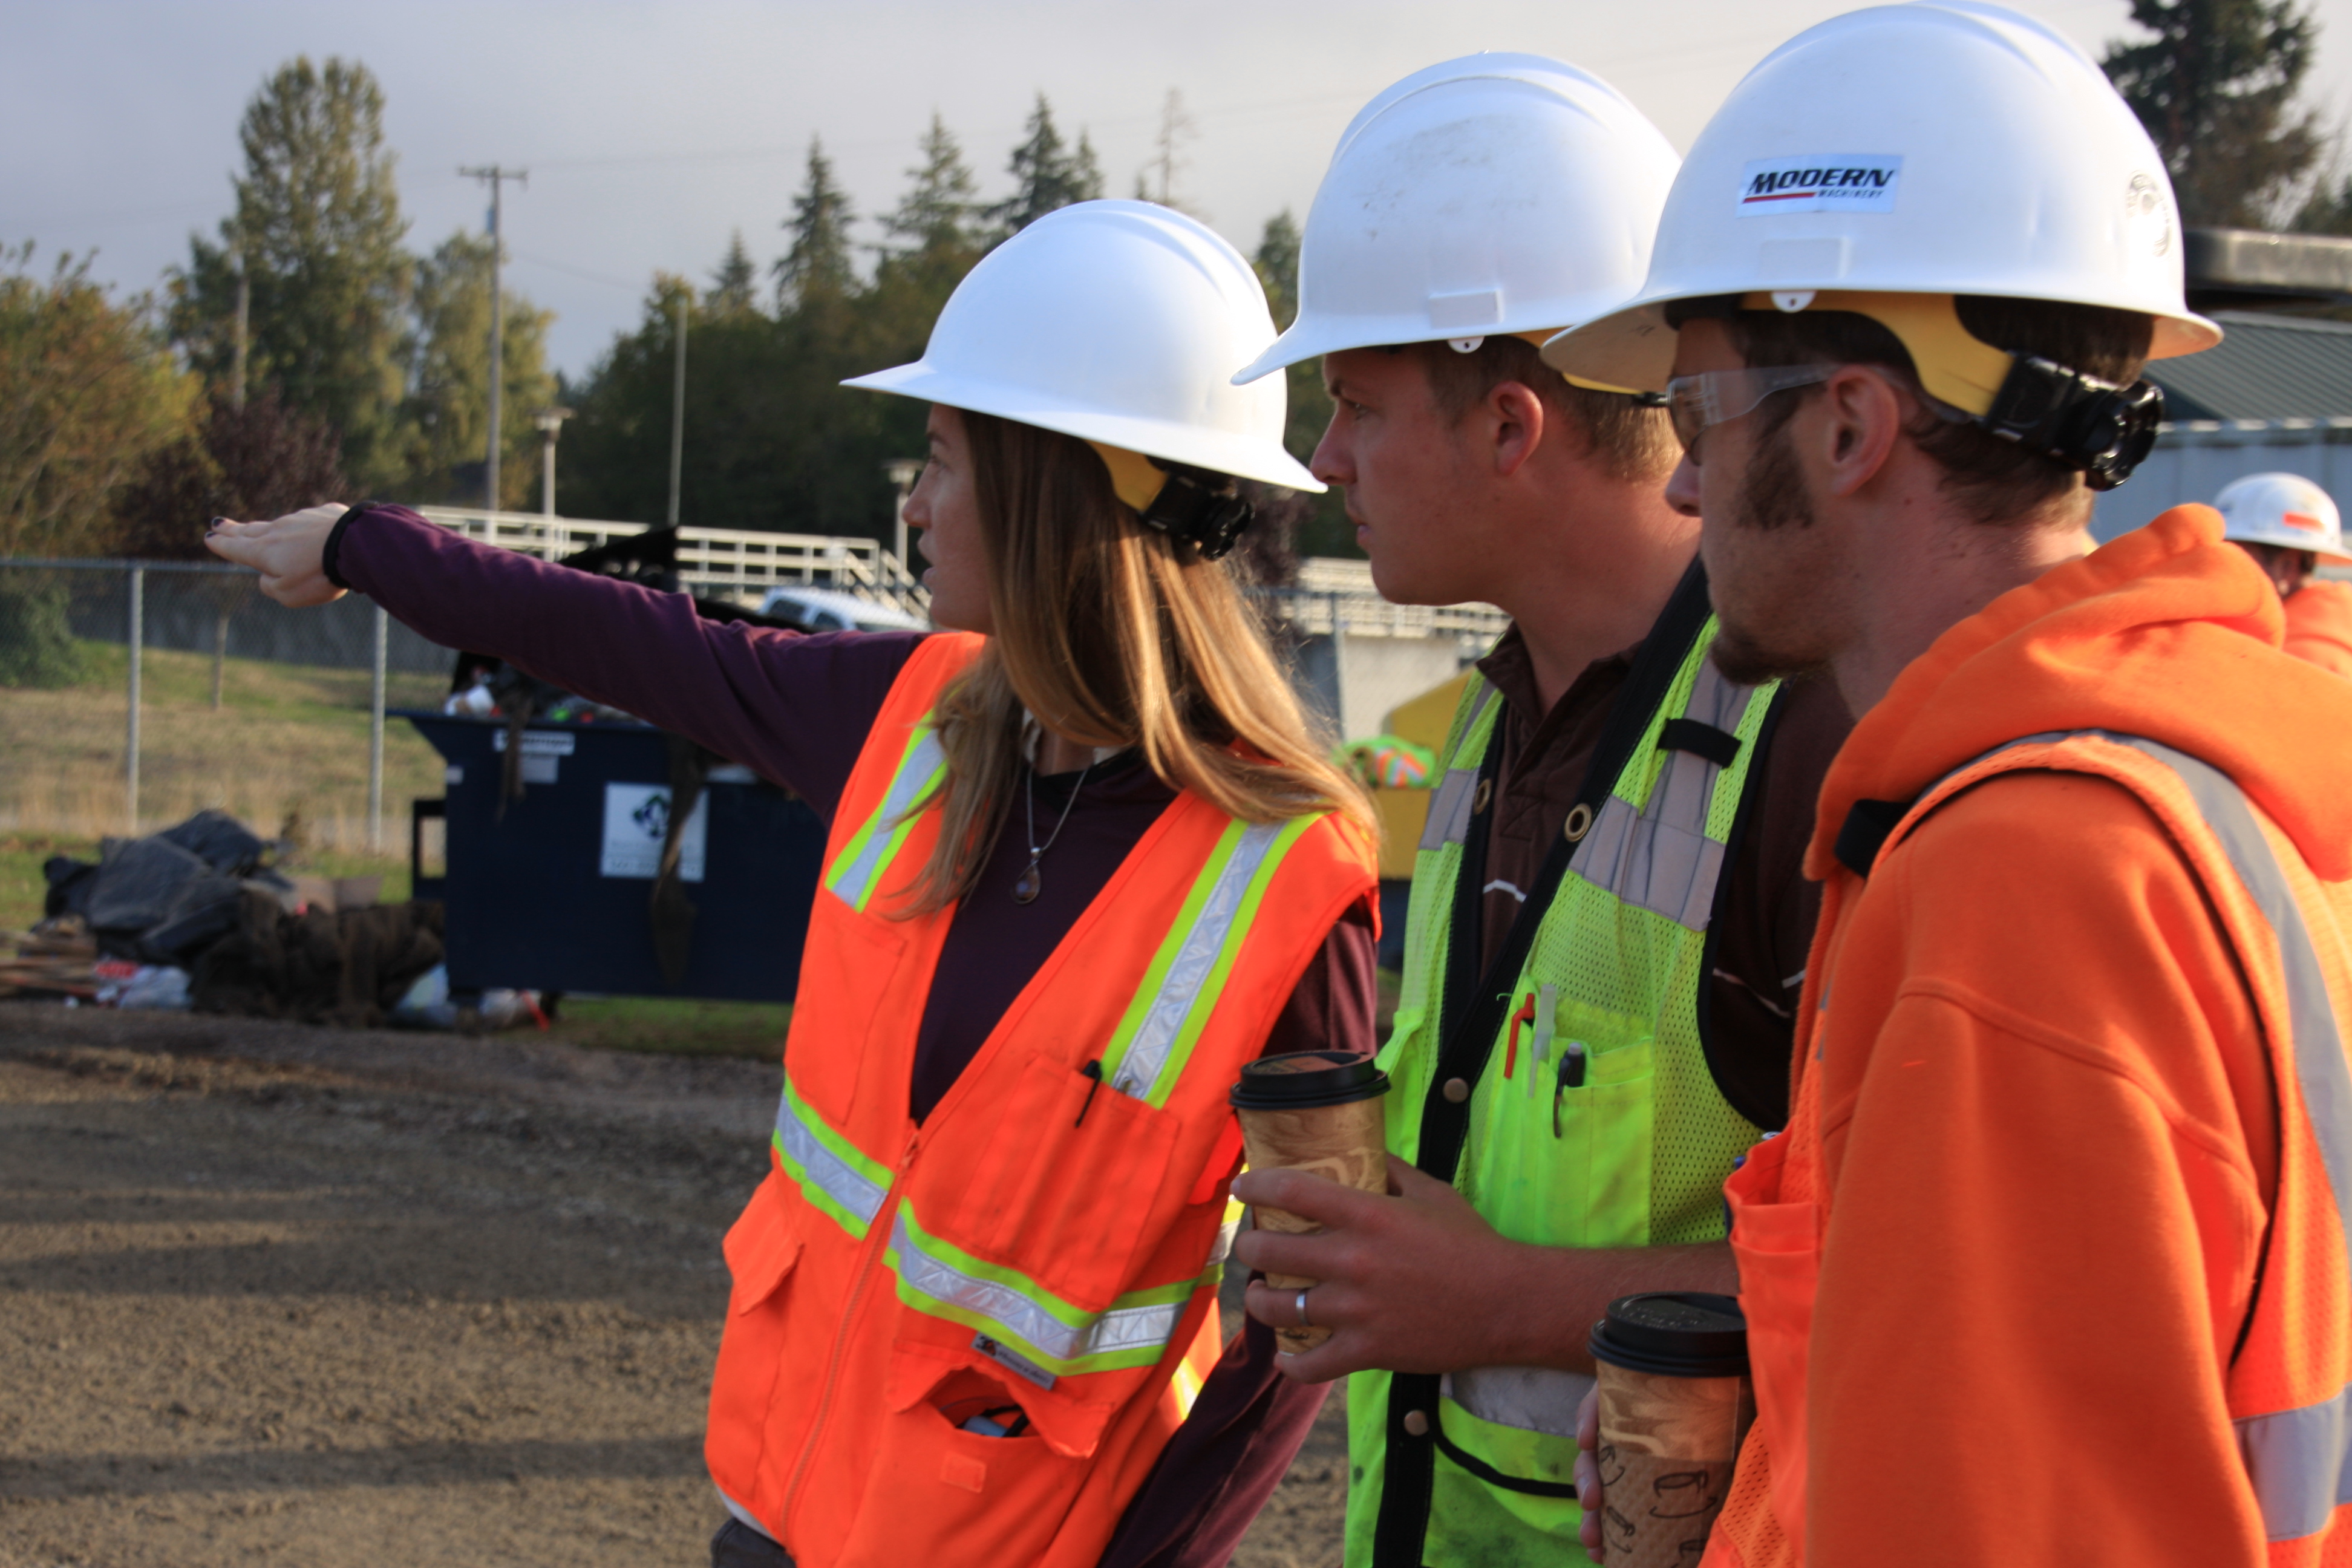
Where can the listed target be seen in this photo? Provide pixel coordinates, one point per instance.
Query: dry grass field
(286, 739)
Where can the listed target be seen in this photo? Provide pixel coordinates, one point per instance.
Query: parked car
(831, 610)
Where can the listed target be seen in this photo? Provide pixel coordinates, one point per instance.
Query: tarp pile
(205, 897)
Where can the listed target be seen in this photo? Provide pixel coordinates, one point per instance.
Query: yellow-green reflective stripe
(833, 1174)
(1154, 1038)
(868, 854)
(942, 1279)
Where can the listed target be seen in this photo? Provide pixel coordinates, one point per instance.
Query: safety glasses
(1716, 396)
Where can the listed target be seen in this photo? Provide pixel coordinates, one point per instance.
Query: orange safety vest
(1052, 1235)
(2287, 1389)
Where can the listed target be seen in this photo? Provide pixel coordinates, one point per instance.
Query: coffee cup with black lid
(1676, 1403)
(1318, 1111)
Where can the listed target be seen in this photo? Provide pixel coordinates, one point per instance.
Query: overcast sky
(652, 131)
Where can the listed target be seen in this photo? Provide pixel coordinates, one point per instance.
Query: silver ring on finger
(1304, 1321)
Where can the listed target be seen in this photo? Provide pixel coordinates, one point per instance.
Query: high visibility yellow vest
(1478, 1468)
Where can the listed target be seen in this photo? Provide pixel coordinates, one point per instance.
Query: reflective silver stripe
(1223, 1247)
(1449, 812)
(1659, 858)
(2299, 1462)
(1531, 1398)
(927, 757)
(841, 1182)
(1154, 1037)
(1120, 1329)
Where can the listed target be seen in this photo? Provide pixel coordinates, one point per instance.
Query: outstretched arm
(794, 709)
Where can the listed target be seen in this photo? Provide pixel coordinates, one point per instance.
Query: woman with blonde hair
(1084, 860)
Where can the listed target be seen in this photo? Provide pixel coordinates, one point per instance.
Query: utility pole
(244, 318)
(551, 424)
(902, 472)
(496, 177)
(677, 410)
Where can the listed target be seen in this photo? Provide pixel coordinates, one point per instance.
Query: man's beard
(1771, 497)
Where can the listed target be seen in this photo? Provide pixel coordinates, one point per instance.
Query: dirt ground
(278, 1294)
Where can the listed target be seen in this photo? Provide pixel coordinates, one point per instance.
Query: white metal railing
(1331, 594)
(1334, 594)
(740, 563)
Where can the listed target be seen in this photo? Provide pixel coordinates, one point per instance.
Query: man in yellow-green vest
(1609, 923)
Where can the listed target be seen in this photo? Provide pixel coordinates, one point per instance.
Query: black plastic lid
(1673, 1334)
(1301, 1080)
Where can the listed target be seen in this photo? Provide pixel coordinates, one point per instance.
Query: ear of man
(1630, 443)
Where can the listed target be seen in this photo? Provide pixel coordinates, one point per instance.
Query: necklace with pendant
(1025, 889)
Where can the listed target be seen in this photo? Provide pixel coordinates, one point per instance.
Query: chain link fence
(133, 693)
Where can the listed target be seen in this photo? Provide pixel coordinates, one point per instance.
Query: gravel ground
(277, 1294)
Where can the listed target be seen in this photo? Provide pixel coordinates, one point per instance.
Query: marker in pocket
(1547, 1014)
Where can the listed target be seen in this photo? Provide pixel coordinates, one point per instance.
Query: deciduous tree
(88, 391)
(448, 410)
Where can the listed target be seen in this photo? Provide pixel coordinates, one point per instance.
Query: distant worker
(1086, 861)
(1608, 922)
(2051, 1266)
(2287, 524)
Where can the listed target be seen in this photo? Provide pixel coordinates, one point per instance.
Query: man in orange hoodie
(2051, 1265)
(2288, 525)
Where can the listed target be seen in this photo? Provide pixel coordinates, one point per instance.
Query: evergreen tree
(1320, 525)
(733, 286)
(817, 271)
(936, 214)
(450, 400)
(1046, 174)
(1158, 180)
(2215, 87)
(319, 228)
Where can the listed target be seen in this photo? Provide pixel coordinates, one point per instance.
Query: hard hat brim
(1224, 452)
(1634, 347)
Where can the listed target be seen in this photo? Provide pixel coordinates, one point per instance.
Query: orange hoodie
(2319, 626)
(2045, 1142)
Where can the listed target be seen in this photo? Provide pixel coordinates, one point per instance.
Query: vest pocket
(1563, 1147)
(938, 1493)
(762, 1249)
(1065, 1184)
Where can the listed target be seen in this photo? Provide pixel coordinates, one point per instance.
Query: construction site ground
(271, 1293)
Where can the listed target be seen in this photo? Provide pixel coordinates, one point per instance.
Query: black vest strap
(1864, 832)
(1720, 747)
(1474, 1002)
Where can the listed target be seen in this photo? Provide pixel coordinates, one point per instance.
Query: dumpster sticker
(636, 820)
(540, 750)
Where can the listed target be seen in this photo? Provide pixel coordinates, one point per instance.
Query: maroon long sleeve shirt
(795, 708)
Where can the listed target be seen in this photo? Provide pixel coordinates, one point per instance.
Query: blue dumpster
(554, 893)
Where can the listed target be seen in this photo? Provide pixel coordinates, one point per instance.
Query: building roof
(2267, 367)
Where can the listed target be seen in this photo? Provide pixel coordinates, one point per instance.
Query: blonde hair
(1112, 635)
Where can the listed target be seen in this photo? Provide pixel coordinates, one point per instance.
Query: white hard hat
(2285, 509)
(1118, 322)
(1494, 194)
(1945, 148)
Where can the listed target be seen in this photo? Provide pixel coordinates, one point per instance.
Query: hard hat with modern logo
(1497, 193)
(1941, 148)
(2284, 509)
(1119, 322)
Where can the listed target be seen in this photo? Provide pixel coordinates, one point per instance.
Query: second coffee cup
(1318, 1111)
(1674, 1403)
